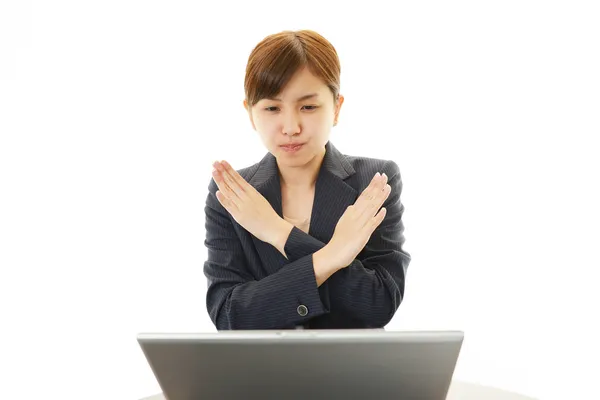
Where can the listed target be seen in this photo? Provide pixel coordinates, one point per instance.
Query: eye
(271, 109)
(311, 108)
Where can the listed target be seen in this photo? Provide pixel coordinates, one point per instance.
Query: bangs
(276, 59)
(270, 76)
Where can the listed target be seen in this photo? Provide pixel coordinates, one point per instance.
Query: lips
(292, 144)
(292, 148)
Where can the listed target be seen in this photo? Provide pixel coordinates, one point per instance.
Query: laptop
(303, 364)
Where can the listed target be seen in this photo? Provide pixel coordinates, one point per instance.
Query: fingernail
(384, 175)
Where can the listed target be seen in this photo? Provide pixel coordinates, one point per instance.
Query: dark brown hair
(279, 56)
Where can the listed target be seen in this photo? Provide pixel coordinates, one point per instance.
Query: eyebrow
(305, 97)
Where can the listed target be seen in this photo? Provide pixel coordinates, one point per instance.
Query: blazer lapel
(332, 196)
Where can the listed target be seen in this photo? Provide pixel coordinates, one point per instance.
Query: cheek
(268, 131)
(317, 121)
(263, 124)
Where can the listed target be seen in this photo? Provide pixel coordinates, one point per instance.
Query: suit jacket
(251, 285)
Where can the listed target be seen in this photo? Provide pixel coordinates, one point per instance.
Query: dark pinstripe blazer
(251, 285)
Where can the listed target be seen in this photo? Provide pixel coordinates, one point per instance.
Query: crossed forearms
(325, 262)
(255, 214)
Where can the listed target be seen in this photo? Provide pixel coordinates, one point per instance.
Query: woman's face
(303, 113)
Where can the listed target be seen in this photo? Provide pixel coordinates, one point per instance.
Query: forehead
(303, 82)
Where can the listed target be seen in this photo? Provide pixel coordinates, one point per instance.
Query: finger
(219, 177)
(375, 187)
(235, 182)
(235, 175)
(224, 188)
(383, 181)
(223, 174)
(244, 186)
(379, 189)
(374, 222)
(367, 194)
(375, 201)
(375, 205)
(225, 202)
(378, 219)
(383, 195)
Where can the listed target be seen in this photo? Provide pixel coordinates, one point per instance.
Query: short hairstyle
(274, 61)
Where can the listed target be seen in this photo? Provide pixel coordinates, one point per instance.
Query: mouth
(292, 147)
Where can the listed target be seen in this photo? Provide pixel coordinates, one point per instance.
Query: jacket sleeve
(235, 299)
(371, 288)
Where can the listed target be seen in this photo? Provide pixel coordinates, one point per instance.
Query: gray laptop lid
(297, 364)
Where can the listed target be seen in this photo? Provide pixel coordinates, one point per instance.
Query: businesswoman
(307, 237)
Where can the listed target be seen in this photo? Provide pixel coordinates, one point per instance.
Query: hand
(247, 206)
(359, 221)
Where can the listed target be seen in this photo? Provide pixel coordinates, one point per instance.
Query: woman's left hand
(247, 206)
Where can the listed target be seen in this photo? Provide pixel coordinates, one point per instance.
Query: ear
(249, 111)
(338, 107)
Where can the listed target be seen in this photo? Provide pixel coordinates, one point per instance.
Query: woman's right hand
(359, 221)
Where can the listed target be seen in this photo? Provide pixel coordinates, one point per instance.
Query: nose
(291, 124)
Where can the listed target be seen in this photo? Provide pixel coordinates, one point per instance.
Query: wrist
(325, 263)
(281, 232)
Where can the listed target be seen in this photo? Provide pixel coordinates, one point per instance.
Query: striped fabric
(251, 285)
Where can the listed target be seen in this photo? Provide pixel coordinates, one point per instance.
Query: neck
(302, 177)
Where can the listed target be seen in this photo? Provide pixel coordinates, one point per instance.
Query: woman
(307, 237)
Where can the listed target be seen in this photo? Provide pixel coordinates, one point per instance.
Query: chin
(298, 162)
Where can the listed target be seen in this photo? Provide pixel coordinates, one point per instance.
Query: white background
(111, 113)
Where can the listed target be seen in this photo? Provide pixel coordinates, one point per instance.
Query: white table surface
(458, 391)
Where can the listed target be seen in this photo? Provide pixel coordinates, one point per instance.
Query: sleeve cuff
(300, 244)
(310, 302)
